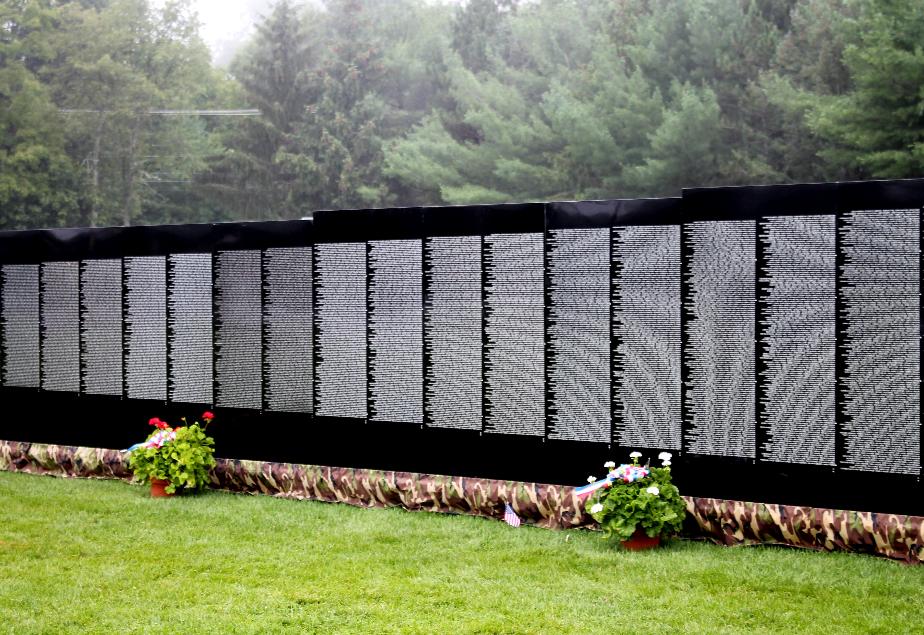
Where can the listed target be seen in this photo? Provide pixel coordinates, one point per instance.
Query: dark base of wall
(551, 506)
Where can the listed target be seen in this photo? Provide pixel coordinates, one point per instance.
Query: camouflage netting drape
(551, 506)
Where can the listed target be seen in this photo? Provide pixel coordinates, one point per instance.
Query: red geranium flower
(207, 416)
(155, 421)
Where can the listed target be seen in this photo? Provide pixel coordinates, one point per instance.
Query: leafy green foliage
(39, 185)
(480, 31)
(878, 127)
(629, 506)
(623, 99)
(275, 73)
(406, 102)
(184, 461)
(685, 148)
(79, 80)
(335, 153)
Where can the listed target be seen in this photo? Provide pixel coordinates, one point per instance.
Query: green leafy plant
(182, 456)
(633, 496)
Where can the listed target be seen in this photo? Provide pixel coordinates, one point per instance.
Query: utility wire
(241, 112)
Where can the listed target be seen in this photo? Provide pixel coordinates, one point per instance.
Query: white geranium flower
(665, 463)
(591, 479)
(665, 456)
(609, 465)
(635, 455)
(653, 490)
(596, 509)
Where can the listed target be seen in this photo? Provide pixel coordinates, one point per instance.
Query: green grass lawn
(80, 556)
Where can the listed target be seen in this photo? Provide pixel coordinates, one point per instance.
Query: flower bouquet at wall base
(182, 456)
(635, 497)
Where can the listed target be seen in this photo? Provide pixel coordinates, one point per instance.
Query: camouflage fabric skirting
(62, 460)
(550, 506)
(734, 523)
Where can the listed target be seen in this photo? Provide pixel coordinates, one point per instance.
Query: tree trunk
(94, 171)
(128, 175)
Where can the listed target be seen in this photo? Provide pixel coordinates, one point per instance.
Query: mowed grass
(81, 556)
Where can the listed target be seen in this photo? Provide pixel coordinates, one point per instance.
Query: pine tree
(686, 150)
(480, 32)
(276, 75)
(878, 127)
(336, 152)
(807, 70)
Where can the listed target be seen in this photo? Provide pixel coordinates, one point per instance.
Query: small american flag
(510, 516)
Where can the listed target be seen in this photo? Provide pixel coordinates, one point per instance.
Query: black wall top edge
(41, 245)
(752, 201)
(35, 246)
(642, 211)
(749, 202)
(868, 195)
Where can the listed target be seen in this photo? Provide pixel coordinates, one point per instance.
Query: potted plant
(636, 504)
(174, 458)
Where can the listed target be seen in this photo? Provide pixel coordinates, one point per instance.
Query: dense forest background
(366, 103)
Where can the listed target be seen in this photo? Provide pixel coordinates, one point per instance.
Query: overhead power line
(240, 112)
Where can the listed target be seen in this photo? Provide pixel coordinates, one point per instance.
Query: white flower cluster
(665, 458)
(596, 509)
(653, 490)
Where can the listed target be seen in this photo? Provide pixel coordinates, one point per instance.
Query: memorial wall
(769, 337)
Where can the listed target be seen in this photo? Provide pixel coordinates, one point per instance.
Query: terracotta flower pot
(640, 540)
(158, 488)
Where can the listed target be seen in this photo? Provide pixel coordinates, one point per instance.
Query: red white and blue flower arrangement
(181, 456)
(635, 500)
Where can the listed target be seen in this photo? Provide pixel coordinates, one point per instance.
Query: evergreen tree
(276, 75)
(402, 102)
(685, 149)
(878, 127)
(507, 154)
(605, 119)
(336, 152)
(480, 32)
(807, 70)
(493, 139)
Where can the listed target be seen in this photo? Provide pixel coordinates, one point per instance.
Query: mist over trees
(367, 103)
